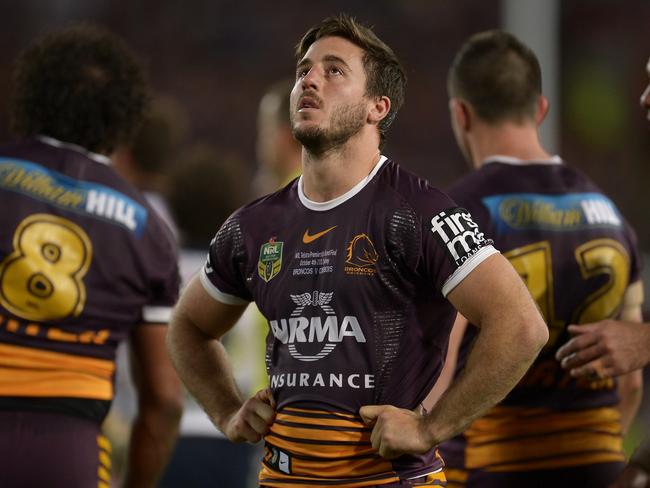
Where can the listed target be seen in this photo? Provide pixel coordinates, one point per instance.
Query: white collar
(335, 202)
(100, 158)
(498, 158)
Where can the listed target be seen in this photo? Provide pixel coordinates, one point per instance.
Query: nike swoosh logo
(306, 238)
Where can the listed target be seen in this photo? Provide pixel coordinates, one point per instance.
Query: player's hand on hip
(253, 419)
(632, 477)
(396, 431)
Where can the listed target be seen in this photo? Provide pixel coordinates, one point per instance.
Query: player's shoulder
(412, 189)
(279, 201)
(90, 187)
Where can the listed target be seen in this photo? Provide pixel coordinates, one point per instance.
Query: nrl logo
(270, 261)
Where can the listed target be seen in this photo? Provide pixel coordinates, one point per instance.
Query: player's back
(83, 259)
(577, 256)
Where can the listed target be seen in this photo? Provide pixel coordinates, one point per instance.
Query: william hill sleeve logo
(455, 229)
(84, 197)
(270, 261)
(567, 212)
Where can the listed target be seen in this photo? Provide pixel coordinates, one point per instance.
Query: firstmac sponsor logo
(455, 229)
(314, 330)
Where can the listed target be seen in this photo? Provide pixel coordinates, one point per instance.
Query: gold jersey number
(596, 257)
(42, 278)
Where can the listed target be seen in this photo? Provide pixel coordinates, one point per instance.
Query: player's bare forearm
(194, 343)
(512, 332)
(202, 364)
(160, 405)
(630, 385)
(153, 436)
(630, 391)
(495, 365)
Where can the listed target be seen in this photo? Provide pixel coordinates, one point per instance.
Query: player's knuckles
(607, 347)
(266, 412)
(258, 424)
(386, 414)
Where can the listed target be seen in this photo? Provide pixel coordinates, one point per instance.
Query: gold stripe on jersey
(520, 439)
(325, 448)
(456, 477)
(267, 480)
(30, 372)
(104, 467)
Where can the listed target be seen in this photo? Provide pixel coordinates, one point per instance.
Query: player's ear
(542, 109)
(379, 109)
(460, 113)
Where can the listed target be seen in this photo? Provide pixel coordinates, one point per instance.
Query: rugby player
(613, 348)
(84, 264)
(359, 267)
(577, 256)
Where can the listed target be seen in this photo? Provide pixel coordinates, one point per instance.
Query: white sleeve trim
(467, 267)
(156, 315)
(217, 294)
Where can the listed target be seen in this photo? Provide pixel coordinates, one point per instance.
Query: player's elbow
(534, 335)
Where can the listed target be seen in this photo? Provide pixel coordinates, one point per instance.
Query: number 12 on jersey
(596, 257)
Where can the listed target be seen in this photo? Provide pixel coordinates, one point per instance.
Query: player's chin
(307, 122)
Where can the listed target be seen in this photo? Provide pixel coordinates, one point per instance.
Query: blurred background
(216, 58)
(211, 61)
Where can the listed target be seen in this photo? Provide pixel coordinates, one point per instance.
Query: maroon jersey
(83, 259)
(577, 256)
(354, 292)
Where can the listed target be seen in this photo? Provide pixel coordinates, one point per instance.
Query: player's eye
(334, 70)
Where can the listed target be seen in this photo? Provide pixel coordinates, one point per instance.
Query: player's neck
(329, 175)
(516, 141)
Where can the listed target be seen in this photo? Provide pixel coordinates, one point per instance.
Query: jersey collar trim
(100, 158)
(335, 202)
(497, 158)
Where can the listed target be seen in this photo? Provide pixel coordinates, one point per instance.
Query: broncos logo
(361, 252)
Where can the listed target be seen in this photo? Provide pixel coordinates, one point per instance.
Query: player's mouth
(307, 102)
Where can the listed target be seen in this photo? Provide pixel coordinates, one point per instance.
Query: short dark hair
(81, 85)
(384, 73)
(498, 75)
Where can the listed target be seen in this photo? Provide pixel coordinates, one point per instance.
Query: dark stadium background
(217, 57)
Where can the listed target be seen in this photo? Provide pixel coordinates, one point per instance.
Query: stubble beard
(345, 123)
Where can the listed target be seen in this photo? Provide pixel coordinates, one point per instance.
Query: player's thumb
(369, 413)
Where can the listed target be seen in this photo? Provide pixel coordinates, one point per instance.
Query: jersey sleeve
(163, 275)
(222, 275)
(452, 245)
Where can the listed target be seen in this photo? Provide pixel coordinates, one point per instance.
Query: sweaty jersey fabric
(577, 256)
(354, 292)
(83, 259)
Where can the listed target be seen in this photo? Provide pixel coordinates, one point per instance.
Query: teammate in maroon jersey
(612, 348)
(579, 260)
(84, 264)
(359, 267)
